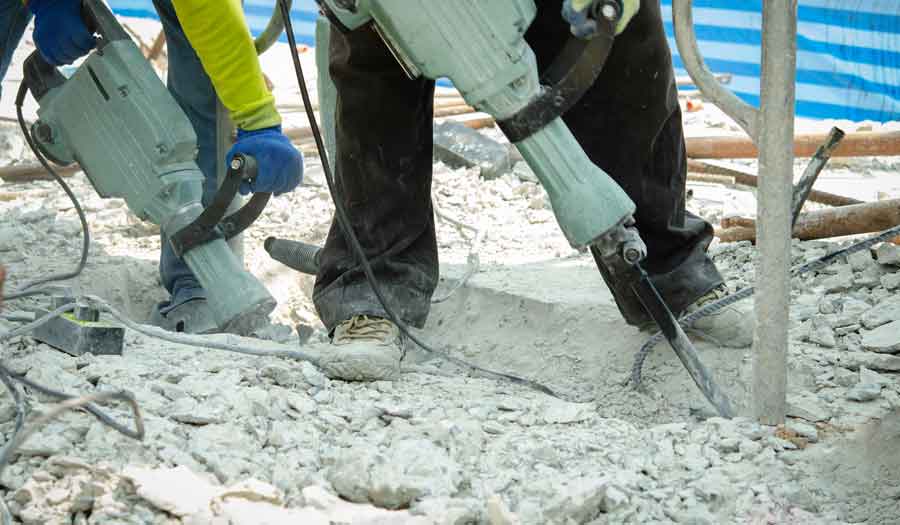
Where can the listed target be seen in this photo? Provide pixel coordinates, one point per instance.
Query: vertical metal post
(776, 168)
(772, 129)
(224, 133)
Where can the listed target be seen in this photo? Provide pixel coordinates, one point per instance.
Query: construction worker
(61, 37)
(629, 124)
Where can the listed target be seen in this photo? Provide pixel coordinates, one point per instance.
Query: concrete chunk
(881, 362)
(888, 253)
(457, 145)
(891, 281)
(820, 332)
(807, 406)
(882, 313)
(864, 392)
(885, 339)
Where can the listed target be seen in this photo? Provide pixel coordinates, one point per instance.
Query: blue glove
(59, 31)
(279, 165)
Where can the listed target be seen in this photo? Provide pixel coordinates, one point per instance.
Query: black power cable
(344, 222)
(9, 378)
(85, 231)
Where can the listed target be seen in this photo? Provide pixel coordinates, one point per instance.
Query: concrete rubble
(242, 440)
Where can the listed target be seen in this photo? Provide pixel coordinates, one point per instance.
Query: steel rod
(683, 19)
(743, 176)
(803, 188)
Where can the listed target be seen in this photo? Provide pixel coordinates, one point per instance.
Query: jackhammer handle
(203, 229)
(244, 217)
(241, 168)
(40, 76)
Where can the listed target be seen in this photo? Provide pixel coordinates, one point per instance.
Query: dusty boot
(364, 349)
(731, 326)
(193, 317)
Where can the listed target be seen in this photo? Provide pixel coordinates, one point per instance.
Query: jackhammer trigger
(212, 223)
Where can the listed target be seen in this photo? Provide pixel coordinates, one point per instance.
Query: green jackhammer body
(117, 119)
(480, 46)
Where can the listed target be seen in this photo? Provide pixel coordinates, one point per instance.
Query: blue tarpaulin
(848, 51)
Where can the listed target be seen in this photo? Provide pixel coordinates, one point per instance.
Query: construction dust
(244, 440)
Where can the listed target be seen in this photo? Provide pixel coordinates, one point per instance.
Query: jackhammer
(115, 118)
(480, 47)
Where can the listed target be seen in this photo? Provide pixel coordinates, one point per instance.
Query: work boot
(364, 348)
(731, 326)
(193, 316)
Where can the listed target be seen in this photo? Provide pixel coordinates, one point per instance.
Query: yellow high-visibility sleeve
(219, 34)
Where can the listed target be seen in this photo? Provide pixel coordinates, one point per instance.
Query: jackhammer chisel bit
(622, 252)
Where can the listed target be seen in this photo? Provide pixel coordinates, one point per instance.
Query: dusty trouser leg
(193, 90)
(629, 124)
(14, 18)
(383, 176)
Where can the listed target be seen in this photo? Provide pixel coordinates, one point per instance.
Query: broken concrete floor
(232, 438)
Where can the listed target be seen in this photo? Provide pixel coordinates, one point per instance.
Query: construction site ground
(252, 440)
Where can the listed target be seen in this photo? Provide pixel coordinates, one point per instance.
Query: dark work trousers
(628, 123)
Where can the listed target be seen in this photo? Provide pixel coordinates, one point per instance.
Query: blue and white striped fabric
(303, 15)
(848, 53)
(848, 59)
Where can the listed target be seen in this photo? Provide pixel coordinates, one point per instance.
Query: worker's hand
(59, 31)
(278, 163)
(581, 15)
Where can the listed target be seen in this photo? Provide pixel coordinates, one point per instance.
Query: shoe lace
(715, 294)
(365, 327)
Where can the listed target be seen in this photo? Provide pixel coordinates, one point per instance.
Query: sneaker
(730, 327)
(364, 349)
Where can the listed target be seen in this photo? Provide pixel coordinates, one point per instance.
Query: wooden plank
(19, 174)
(857, 219)
(859, 144)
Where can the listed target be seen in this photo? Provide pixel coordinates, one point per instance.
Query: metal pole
(327, 90)
(224, 133)
(744, 114)
(776, 167)
(772, 128)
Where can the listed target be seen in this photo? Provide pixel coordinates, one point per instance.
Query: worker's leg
(194, 92)
(14, 17)
(383, 176)
(629, 123)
